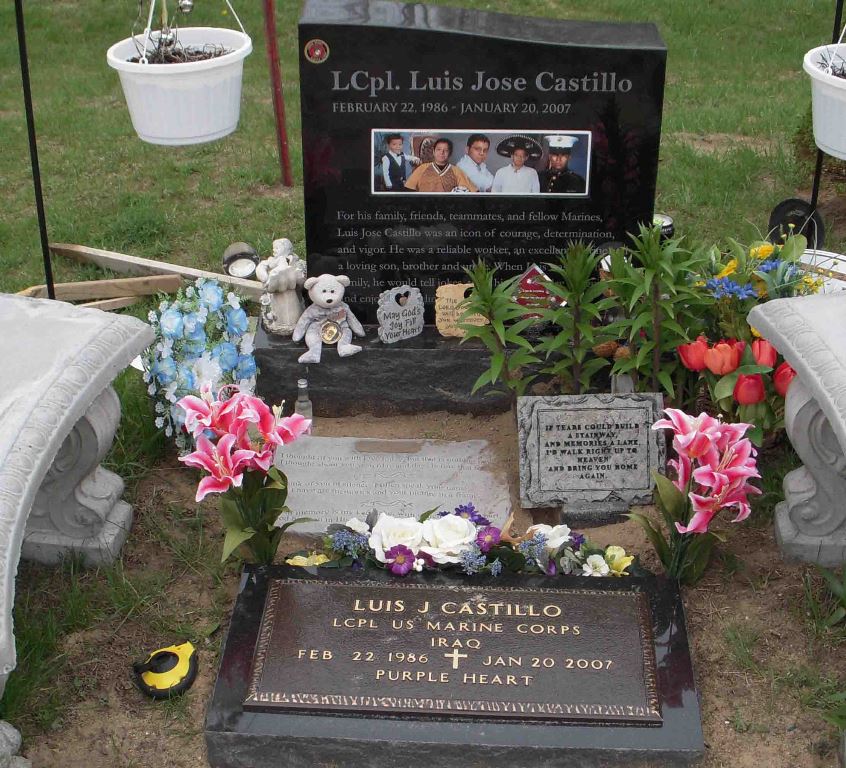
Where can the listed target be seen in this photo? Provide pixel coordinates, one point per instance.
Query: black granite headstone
(377, 76)
(323, 669)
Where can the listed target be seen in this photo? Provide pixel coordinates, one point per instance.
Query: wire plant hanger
(163, 46)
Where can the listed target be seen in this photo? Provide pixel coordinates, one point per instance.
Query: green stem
(656, 333)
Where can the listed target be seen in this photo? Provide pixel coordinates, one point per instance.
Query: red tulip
(724, 357)
(693, 355)
(749, 389)
(764, 352)
(782, 377)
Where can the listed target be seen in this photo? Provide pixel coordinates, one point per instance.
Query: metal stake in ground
(33, 151)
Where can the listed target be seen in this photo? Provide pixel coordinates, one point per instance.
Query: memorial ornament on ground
(448, 309)
(282, 277)
(328, 320)
(400, 314)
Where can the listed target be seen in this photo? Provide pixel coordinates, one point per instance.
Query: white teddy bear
(328, 319)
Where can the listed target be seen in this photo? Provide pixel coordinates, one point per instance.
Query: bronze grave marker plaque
(562, 655)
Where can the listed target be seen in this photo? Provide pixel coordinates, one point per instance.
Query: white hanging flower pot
(184, 103)
(828, 94)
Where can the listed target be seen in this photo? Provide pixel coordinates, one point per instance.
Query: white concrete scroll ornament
(810, 332)
(59, 419)
(282, 278)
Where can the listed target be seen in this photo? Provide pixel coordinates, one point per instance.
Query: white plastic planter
(188, 103)
(828, 94)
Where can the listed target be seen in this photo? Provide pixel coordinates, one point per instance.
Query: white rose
(555, 536)
(447, 537)
(359, 526)
(390, 531)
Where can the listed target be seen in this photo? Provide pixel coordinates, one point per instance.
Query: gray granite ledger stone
(592, 454)
(810, 332)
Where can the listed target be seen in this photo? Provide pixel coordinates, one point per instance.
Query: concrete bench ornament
(59, 419)
(810, 523)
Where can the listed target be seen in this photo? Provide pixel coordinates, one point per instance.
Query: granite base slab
(423, 374)
(236, 738)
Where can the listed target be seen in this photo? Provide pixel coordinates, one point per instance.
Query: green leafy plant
(577, 313)
(660, 306)
(502, 332)
(837, 588)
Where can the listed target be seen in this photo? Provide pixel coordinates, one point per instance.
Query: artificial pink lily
(737, 463)
(695, 436)
(200, 412)
(225, 467)
(289, 428)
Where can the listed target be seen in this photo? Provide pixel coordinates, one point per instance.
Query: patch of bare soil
(751, 642)
(722, 143)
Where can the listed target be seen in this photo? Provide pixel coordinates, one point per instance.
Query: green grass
(733, 68)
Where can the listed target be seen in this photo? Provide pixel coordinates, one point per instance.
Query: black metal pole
(33, 151)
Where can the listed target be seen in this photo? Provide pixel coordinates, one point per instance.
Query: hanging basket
(828, 94)
(187, 103)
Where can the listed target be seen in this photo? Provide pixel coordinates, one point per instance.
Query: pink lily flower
(683, 469)
(289, 428)
(695, 436)
(736, 463)
(225, 467)
(200, 412)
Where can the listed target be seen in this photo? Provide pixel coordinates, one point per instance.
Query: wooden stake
(133, 265)
(107, 305)
(109, 289)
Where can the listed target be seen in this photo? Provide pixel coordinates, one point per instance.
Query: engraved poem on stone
(589, 449)
(332, 479)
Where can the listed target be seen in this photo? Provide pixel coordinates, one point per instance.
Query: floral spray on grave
(202, 336)
(462, 541)
(236, 439)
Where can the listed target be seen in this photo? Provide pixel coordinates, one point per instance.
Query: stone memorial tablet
(581, 655)
(589, 452)
(400, 314)
(327, 668)
(332, 479)
(435, 136)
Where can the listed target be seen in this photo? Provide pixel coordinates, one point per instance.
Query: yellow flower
(313, 559)
(617, 560)
(728, 269)
(755, 332)
(811, 284)
(762, 251)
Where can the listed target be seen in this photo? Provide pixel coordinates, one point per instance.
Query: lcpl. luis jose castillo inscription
(552, 654)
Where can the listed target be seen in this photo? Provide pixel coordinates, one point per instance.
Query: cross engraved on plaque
(455, 656)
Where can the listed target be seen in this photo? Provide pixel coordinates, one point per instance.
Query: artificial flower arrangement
(745, 277)
(746, 382)
(202, 336)
(714, 466)
(462, 540)
(236, 436)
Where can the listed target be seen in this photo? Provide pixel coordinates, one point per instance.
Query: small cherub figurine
(282, 278)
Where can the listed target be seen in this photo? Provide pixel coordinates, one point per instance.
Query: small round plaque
(330, 332)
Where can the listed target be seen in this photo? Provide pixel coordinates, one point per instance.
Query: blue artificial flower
(171, 323)
(211, 295)
(227, 355)
(193, 328)
(164, 370)
(185, 379)
(535, 549)
(724, 287)
(472, 560)
(246, 367)
(496, 567)
(769, 265)
(193, 349)
(236, 321)
(349, 543)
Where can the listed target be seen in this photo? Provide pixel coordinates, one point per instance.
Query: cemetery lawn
(736, 98)
(764, 663)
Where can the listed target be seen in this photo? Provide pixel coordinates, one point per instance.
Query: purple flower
(552, 569)
(488, 537)
(428, 560)
(577, 539)
(400, 560)
(468, 512)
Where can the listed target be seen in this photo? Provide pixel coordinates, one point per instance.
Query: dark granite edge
(528, 29)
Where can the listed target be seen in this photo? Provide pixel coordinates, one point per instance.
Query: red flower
(764, 352)
(693, 355)
(724, 357)
(782, 377)
(749, 389)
